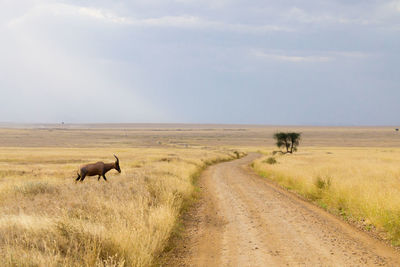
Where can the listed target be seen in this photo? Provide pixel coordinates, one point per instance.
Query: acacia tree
(289, 140)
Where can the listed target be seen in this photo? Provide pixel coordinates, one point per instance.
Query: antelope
(99, 168)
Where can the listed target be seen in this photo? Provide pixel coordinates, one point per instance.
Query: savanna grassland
(361, 184)
(46, 219)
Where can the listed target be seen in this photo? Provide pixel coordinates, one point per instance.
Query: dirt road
(244, 220)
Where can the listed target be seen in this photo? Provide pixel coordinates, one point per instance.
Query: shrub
(322, 183)
(270, 160)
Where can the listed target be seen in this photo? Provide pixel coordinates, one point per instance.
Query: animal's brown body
(99, 168)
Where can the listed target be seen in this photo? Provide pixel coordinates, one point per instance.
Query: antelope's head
(117, 164)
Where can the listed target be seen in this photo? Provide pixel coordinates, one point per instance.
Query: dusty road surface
(244, 220)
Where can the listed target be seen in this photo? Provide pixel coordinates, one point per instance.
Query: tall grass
(360, 184)
(48, 220)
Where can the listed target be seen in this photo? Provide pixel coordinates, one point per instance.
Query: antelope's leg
(83, 177)
(104, 177)
(77, 179)
(98, 178)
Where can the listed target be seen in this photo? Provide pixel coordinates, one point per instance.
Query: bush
(322, 183)
(270, 160)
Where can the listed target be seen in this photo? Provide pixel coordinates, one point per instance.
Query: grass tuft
(35, 188)
(323, 183)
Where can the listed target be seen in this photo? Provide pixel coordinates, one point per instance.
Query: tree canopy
(288, 140)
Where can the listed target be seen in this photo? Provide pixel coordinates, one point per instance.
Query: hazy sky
(323, 62)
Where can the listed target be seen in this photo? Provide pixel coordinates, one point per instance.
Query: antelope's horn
(116, 158)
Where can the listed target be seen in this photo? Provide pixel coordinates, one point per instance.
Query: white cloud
(281, 56)
(314, 57)
(209, 3)
(395, 5)
(102, 15)
(389, 9)
(69, 11)
(302, 16)
(350, 54)
(193, 22)
(107, 16)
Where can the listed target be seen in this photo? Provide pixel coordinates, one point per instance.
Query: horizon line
(4, 124)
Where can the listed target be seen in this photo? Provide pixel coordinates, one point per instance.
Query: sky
(304, 62)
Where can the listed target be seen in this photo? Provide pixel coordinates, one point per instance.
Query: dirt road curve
(244, 220)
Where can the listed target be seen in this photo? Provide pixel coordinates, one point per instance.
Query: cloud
(389, 10)
(178, 21)
(67, 10)
(161, 60)
(102, 15)
(194, 22)
(45, 81)
(351, 54)
(302, 16)
(281, 56)
(395, 5)
(314, 57)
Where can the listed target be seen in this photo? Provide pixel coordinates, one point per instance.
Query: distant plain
(142, 135)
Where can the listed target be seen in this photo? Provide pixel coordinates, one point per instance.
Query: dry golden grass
(360, 184)
(48, 220)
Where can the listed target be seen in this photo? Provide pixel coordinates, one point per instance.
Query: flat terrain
(145, 135)
(244, 220)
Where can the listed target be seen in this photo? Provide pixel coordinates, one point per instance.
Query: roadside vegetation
(46, 219)
(360, 184)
